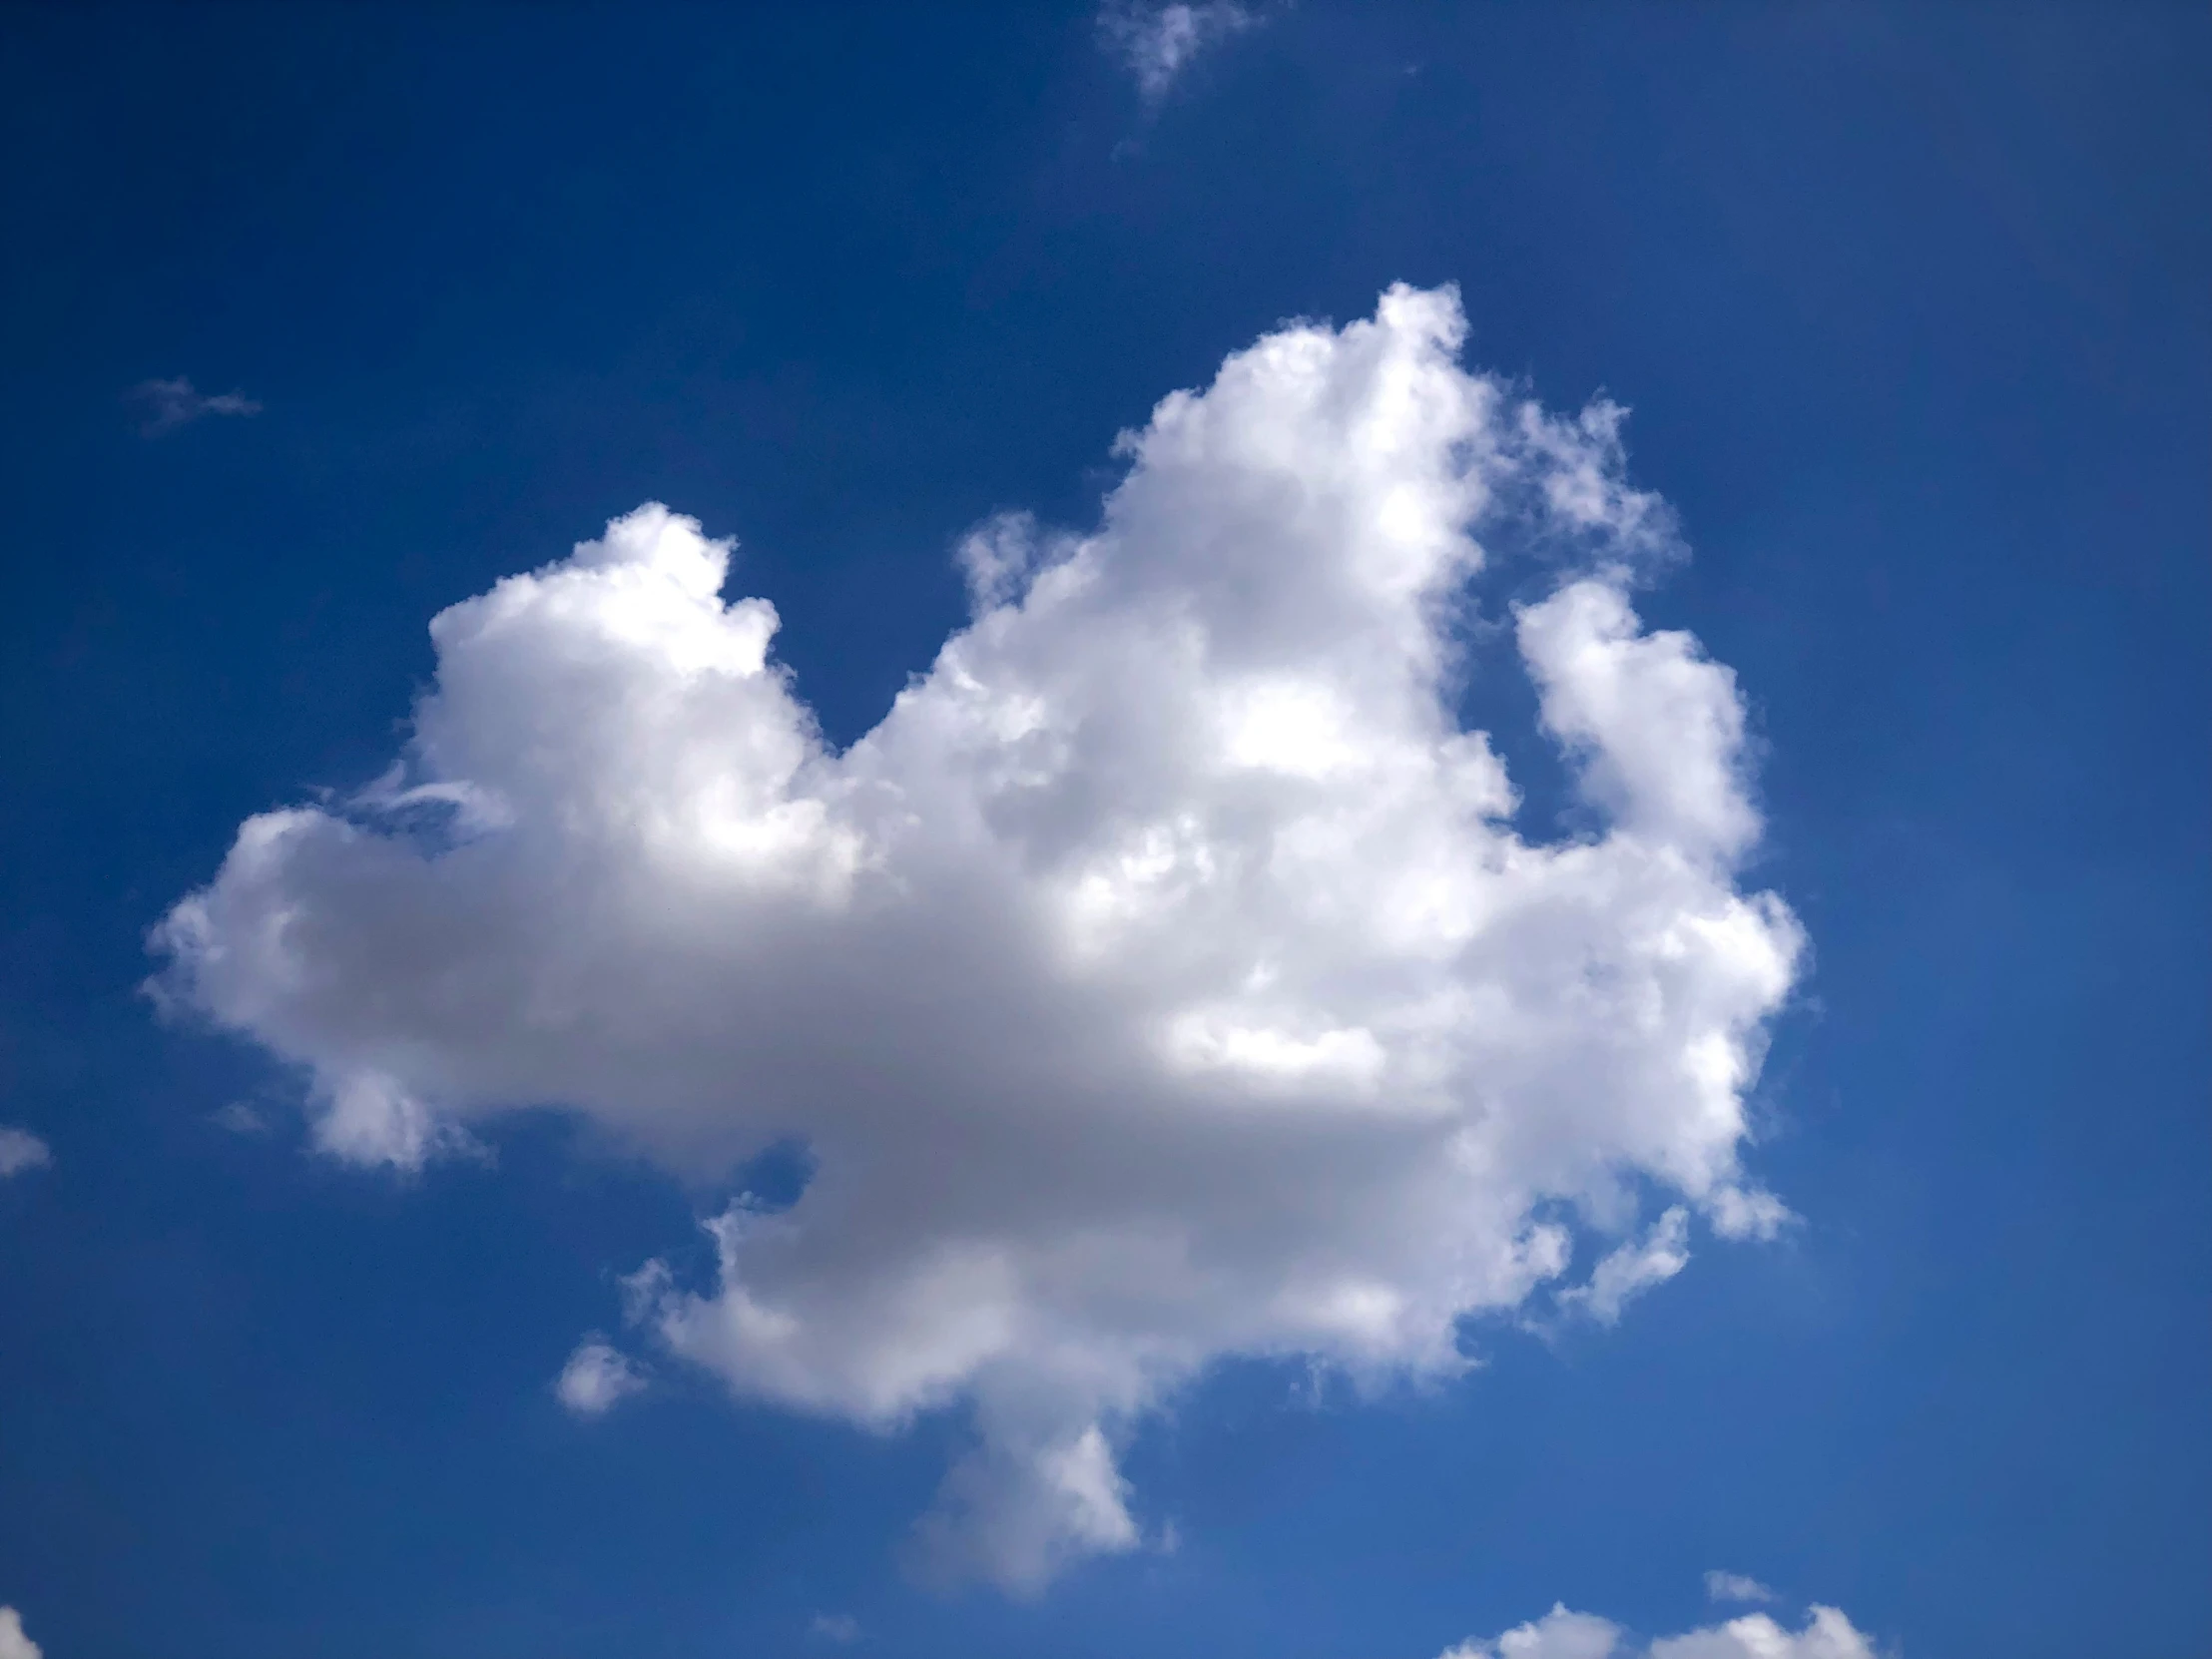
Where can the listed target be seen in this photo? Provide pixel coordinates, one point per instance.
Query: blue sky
(321, 321)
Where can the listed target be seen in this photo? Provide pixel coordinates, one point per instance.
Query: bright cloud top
(1162, 979)
(1560, 1634)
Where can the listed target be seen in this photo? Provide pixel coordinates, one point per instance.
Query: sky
(1323, 831)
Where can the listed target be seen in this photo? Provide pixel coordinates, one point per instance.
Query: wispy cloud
(240, 1119)
(1633, 1269)
(1735, 1586)
(1157, 43)
(165, 405)
(21, 1150)
(841, 1628)
(1561, 1634)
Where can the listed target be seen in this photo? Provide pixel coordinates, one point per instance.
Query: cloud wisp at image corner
(15, 1642)
(1164, 979)
(20, 1150)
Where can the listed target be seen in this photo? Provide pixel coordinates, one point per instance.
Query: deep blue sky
(1913, 308)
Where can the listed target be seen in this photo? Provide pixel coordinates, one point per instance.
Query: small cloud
(240, 1119)
(1734, 1586)
(841, 1628)
(165, 405)
(1157, 43)
(20, 1150)
(368, 1118)
(1633, 1269)
(1747, 1213)
(597, 1378)
(13, 1643)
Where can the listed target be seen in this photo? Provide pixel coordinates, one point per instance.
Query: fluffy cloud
(1560, 1634)
(1157, 43)
(21, 1150)
(165, 405)
(13, 1643)
(1164, 978)
(597, 1378)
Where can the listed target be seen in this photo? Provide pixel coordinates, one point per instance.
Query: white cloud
(370, 1117)
(165, 405)
(1633, 1267)
(1735, 1586)
(1560, 1634)
(1749, 1213)
(597, 1378)
(21, 1150)
(1162, 979)
(842, 1628)
(1156, 43)
(1827, 1634)
(14, 1644)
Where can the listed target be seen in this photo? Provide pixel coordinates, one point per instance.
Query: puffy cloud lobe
(1827, 1634)
(21, 1150)
(1162, 979)
(597, 1378)
(1560, 1634)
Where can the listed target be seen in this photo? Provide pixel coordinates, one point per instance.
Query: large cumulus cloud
(1163, 978)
